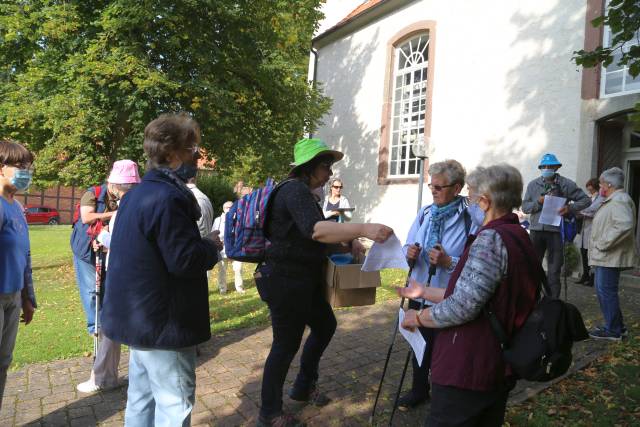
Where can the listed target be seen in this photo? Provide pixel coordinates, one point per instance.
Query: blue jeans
(162, 387)
(606, 282)
(86, 279)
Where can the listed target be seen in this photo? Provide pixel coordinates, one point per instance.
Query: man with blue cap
(546, 238)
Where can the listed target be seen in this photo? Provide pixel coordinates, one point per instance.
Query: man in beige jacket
(612, 249)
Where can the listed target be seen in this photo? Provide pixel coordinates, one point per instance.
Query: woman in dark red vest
(470, 381)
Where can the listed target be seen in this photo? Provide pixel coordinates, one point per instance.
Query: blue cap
(549, 160)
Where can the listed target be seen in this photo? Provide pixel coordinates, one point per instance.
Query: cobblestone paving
(230, 367)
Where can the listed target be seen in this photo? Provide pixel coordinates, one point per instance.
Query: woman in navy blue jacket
(156, 297)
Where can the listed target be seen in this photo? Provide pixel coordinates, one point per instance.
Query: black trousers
(452, 406)
(550, 242)
(584, 254)
(420, 381)
(294, 303)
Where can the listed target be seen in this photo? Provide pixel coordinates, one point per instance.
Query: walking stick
(393, 339)
(432, 272)
(98, 289)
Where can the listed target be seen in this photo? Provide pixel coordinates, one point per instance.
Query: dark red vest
(468, 356)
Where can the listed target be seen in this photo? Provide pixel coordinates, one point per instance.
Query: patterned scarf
(440, 215)
(182, 187)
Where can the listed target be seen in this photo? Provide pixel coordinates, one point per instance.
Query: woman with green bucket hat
(291, 279)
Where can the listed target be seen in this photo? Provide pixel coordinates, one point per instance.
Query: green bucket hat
(307, 149)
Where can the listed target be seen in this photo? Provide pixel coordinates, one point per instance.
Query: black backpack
(541, 349)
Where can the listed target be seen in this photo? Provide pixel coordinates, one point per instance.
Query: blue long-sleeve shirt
(454, 237)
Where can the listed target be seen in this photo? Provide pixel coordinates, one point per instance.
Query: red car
(41, 215)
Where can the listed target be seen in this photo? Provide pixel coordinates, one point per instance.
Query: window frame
(399, 101)
(606, 42)
(384, 152)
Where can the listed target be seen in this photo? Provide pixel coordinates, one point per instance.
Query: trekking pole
(98, 289)
(564, 264)
(393, 339)
(432, 272)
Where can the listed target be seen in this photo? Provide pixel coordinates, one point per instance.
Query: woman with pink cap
(104, 375)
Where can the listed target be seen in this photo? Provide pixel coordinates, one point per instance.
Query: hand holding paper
(550, 210)
(414, 338)
(385, 255)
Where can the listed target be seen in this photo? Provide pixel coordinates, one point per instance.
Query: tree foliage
(79, 80)
(623, 18)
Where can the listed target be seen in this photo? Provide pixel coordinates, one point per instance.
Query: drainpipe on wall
(314, 52)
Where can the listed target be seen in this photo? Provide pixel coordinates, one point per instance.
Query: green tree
(79, 80)
(623, 18)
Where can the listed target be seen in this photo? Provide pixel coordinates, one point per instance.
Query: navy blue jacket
(156, 293)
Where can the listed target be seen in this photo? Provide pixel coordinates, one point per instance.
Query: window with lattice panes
(616, 79)
(409, 105)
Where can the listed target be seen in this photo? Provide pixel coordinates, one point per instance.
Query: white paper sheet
(385, 255)
(415, 339)
(550, 208)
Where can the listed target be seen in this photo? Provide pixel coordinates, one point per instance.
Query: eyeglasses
(337, 186)
(439, 187)
(326, 164)
(193, 149)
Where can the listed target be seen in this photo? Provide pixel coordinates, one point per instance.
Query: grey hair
(614, 177)
(502, 183)
(452, 169)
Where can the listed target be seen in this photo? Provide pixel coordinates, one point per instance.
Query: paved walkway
(229, 374)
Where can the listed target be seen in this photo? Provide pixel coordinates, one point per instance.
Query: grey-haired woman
(612, 249)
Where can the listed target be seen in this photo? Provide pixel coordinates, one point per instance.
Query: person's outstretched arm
(333, 232)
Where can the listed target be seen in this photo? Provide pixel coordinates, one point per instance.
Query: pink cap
(124, 172)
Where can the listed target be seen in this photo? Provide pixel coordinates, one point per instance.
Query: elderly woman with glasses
(156, 295)
(612, 249)
(336, 201)
(16, 284)
(441, 229)
(498, 269)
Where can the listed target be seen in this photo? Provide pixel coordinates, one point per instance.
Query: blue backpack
(568, 228)
(244, 235)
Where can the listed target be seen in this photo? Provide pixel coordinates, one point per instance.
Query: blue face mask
(547, 173)
(186, 171)
(476, 213)
(21, 179)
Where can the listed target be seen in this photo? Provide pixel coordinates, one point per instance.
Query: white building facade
(480, 82)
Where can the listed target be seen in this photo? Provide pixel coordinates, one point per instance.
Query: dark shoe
(282, 420)
(601, 334)
(624, 332)
(312, 395)
(583, 280)
(411, 400)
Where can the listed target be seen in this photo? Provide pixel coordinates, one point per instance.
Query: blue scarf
(440, 215)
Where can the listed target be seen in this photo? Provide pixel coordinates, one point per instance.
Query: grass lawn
(58, 327)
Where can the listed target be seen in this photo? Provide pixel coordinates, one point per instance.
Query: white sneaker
(88, 387)
(91, 387)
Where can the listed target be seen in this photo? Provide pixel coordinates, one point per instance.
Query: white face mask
(476, 213)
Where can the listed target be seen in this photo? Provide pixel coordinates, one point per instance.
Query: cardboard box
(347, 286)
